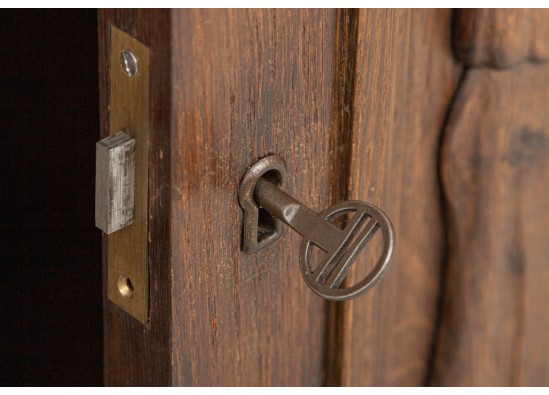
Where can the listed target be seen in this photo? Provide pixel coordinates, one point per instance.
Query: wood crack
(346, 40)
(446, 227)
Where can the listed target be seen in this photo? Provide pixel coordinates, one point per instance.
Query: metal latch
(122, 176)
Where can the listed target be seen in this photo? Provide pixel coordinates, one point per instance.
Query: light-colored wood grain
(115, 182)
(129, 112)
(495, 169)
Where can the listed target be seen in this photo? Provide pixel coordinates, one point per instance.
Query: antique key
(265, 204)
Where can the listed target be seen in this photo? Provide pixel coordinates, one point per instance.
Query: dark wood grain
(346, 39)
(354, 101)
(136, 354)
(50, 265)
(501, 38)
(405, 78)
(496, 177)
(246, 83)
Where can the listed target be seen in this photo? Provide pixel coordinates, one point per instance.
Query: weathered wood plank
(501, 38)
(346, 39)
(246, 83)
(405, 78)
(496, 177)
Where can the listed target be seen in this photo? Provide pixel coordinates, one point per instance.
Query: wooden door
(376, 105)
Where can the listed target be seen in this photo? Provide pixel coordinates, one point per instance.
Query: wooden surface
(342, 123)
(361, 104)
(495, 173)
(366, 342)
(404, 82)
(501, 38)
(311, 87)
(367, 104)
(136, 354)
(50, 264)
(495, 168)
(246, 83)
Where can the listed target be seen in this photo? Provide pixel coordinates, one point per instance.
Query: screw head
(129, 62)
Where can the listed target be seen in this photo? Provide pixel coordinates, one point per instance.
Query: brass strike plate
(127, 273)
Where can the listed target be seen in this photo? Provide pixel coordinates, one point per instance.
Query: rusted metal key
(264, 203)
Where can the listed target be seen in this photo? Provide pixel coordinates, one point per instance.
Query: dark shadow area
(50, 281)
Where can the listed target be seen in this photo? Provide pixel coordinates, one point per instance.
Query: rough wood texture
(136, 354)
(501, 38)
(114, 182)
(246, 83)
(341, 95)
(405, 78)
(496, 177)
(344, 66)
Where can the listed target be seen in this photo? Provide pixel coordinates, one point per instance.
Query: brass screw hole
(125, 286)
(129, 62)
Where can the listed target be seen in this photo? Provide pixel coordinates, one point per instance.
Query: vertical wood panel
(405, 78)
(346, 38)
(360, 96)
(496, 172)
(246, 83)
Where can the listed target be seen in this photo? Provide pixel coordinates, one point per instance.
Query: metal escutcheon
(265, 204)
